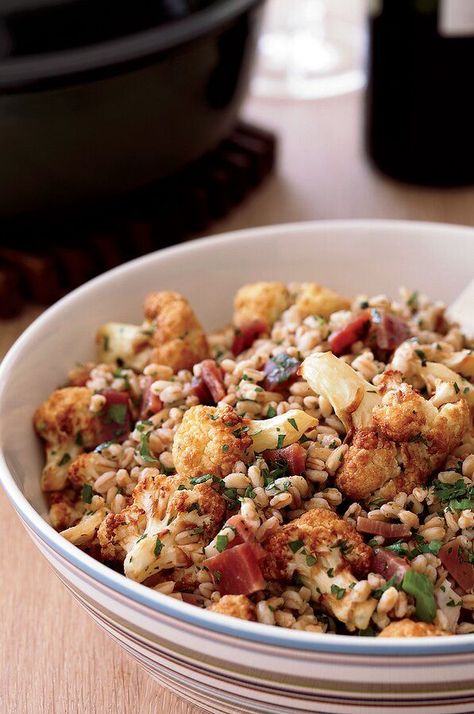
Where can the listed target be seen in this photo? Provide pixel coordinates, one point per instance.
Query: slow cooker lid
(35, 27)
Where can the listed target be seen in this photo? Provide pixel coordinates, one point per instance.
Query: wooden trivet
(41, 260)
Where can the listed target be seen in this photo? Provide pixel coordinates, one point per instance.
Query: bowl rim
(157, 602)
(32, 70)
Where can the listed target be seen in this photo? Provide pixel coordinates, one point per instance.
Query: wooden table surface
(53, 659)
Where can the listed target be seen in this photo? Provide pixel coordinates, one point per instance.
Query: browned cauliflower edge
(177, 338)
(260, 301)
(210, 440)
(66, 424)
(327, 554)
(410, 628)
(235, 606)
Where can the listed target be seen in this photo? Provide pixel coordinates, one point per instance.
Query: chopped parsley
(413, 300)
(271, 412)
(217, 575)
(457, 496)
(225, 448)
(144, 448)
(311, 560)
(330, 573)
(368, 632)
(337, 591)
(158, 547)
(393, 582)
(456, 388)
(422, 357)
(86, 493)
(295, 545)
(293, 423)
(201, 479)
(116, 413)
(65, 459)
(280, 440)
(222, 542)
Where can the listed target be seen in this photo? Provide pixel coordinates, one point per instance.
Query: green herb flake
(225, 448)
(413, 300)
(201, 479)
(368, 632)
(311, 560)
(217, 575)
(222, 542)
(116, 413)
(158, 547)
(393, 582)
(144, 449)
(65, 459)
(293, 423)
(456, 388)
(421, 587)
(79, 441)
(280, 440)
(295, 545)
(86, 493)
(337, 591)
(271, 412)
(330, 573)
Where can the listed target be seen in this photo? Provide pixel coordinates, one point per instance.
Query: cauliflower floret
(398, 439)
(327, 553)
(64, 508)
(86, 468)
(170, 335)
(410, 439)
(84, 532)
(410, 628)
(210, 440)
(235, 606)
(260, 301)
(313, 299)
(177, 339)
(168, 521)
(66, 424)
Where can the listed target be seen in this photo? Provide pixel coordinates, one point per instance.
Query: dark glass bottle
(420, 94)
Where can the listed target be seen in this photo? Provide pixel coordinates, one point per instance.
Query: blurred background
(126, 128)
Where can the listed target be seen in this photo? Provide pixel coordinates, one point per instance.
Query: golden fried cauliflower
(410, 628)
(210, 440)
(86, 468)
(327, 553)
(235, 606)
(170, 335)
(177, 338)
(65, 423)
(410, 439)
(313, 299)
(169, 519)
(83, 533)
(260, 301)
(398, 437)
(65, 508)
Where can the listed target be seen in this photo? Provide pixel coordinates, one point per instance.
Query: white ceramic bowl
(225, 664)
